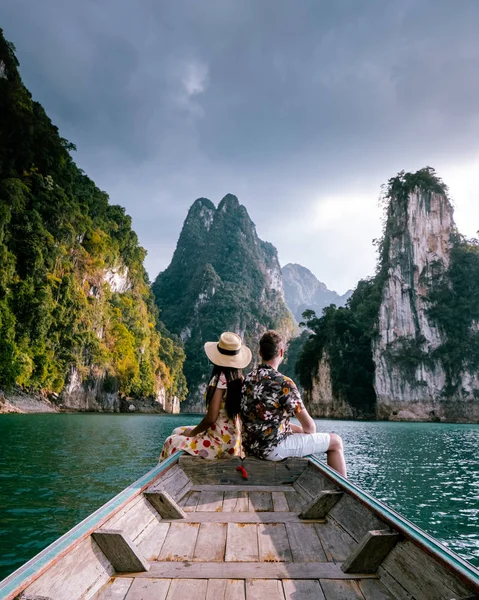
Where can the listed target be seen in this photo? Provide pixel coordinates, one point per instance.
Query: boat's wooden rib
(245, 539)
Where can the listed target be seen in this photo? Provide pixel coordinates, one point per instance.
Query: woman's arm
(210, 417)
(296, 428)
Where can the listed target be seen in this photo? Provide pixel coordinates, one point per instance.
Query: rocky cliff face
(302, 291)
(410, 379)
(407, 346)
(222, 278)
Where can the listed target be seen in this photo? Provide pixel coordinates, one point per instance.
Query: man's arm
(307, 423)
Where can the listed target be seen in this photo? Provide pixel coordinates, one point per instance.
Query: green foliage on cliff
(345, 335)
(219, 280)
(59, 236)
(454, 298)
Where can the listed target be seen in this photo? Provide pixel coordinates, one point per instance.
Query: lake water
(55, 469)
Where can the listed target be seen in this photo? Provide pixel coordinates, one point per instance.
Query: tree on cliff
(59, 236)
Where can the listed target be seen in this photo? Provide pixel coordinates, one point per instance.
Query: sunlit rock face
(420, 240)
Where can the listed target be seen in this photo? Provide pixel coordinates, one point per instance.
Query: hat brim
(238, 361)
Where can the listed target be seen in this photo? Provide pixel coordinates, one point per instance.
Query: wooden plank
(211, 542)
(203, 472)
(84, 569)
(242, 504)
(321, 504)
(371, 551)
(175, 481)
(396, 589)
(210, 502)
(372, 589)
(421, 575)
(260, 502)
(190, 501)
(132, 519)
(249, 570)
(184, 589)
(148, 589)
(120, 551)
(259, 589)
(164, 504)
(341, 590)
(302, 589)
(337, 543)
(180, 542)
(280, 503)
(115, 590)
(244, 517)
(313, 481)
(304, 542)
(273, 543)
(151, 540)
(239, 488)
(225, 589)
(355, 518)
(242, 542)
(229, 500)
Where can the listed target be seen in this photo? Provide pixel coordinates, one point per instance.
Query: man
(269, 400)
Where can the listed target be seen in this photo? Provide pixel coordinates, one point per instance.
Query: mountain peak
(229, 202)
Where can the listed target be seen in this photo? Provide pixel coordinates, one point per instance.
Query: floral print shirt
(269, 400)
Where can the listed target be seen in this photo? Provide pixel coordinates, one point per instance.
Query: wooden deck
(242, 543)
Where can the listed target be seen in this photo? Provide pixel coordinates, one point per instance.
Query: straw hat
(228, 351)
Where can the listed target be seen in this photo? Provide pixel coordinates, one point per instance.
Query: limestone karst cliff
(221, 277)
(406, 347)
(302, 291)
(77, 315)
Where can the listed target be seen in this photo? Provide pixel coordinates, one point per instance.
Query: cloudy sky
(300, 108)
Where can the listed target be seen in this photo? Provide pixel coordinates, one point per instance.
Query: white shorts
(300, 444)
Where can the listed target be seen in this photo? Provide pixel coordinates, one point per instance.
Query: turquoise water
(56, 469)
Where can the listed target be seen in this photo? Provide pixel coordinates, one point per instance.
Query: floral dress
(221, 440)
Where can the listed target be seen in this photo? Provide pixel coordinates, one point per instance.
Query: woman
(219, 433)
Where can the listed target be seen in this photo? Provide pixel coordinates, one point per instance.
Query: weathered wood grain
(241, 488)
(184, 589)
(280, 503)
(273, 543)
(84, 569)
(354, 517)
(149, 589)
(260, 502)
(189, 502)
(304, 542)
(249, 570)
(245, 517)
(370, 552)
(337, 543)
(211, 501)
(259, 589)
(302, 589)
(313, 481)
(211, 542)
(398, 592)
(321, 504)
(225, 589)
(164, 504)
(341, 590)
(133, 518)
(175, 481)
(242, 542)
(421, 575)
(115, 590)
(151, 540)
(122, 553)
(203, 472)
(296, 501)
(372, 589)
(180, 542)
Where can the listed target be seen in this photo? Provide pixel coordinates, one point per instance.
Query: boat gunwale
(25, 575)
(426, 542)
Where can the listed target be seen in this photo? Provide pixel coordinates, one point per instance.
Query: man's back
(269, 400)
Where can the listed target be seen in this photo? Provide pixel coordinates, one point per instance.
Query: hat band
(227, 352)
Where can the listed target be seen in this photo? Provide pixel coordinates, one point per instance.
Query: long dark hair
(234, 383)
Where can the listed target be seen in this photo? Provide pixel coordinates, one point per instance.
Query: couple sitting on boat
(253, 412)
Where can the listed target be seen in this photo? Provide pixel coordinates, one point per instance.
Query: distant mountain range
(302, 291)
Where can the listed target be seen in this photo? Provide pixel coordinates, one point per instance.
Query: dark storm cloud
(279, 102)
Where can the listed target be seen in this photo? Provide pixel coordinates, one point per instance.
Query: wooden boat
(195, 529)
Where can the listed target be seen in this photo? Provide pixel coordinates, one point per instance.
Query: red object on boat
(244, 474)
